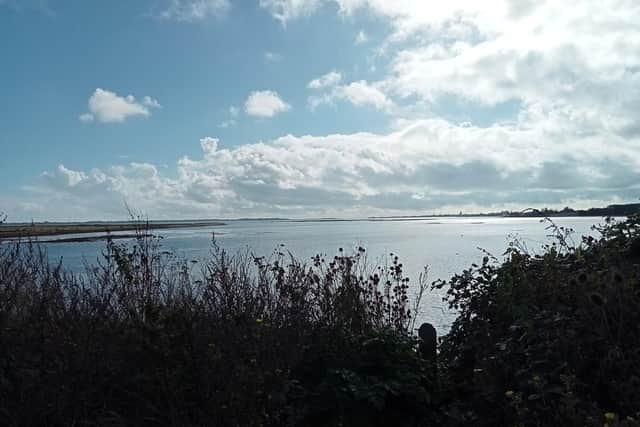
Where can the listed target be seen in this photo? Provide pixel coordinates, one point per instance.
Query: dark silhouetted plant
(144, 337)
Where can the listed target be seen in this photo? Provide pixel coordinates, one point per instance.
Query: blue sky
(192, 108)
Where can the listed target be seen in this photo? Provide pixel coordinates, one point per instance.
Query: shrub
(143, 337)
(549, 339)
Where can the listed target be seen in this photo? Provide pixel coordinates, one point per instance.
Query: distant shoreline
(100, 237)
(620, 210)
(13, 231)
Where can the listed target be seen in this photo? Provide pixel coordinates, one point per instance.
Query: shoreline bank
(13, 231)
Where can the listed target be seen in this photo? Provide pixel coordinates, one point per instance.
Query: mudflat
(9, 231)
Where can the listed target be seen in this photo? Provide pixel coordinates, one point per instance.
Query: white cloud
(68, 177)
(327, 80)
(286, 10)
(499, 50)
(151, 102)
(265, 103)
(108, 107)
(541, 160)
(195, 10)
(361, 38)
(86, 117)
(359, 93)
(544, 57)
(362, 93)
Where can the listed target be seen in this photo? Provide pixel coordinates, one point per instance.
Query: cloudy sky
(306, 108)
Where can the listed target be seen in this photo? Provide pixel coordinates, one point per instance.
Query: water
(446, 245)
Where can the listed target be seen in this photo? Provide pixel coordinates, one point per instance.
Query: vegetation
(550, 339)
(611, 210)
(143, 338)
(619, 210)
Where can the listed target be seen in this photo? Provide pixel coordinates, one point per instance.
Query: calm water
(446, 245)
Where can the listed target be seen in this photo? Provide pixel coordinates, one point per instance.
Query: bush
(549, 339)
(144, 338)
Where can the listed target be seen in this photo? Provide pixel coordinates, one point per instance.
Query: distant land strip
(611, 210)
(12, 231)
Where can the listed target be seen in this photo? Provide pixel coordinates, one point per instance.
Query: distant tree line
(620, 210)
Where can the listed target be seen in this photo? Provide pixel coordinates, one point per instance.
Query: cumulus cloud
(424, 165)
(151, 102)
(195, 10)
(362, 93)
(541, 54)
(359, 93)
(109, 107)
(327, 80)
(86, 117)
(542, 57)
(265, 104)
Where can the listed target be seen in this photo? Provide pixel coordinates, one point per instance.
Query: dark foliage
(549, 339)
(144, 338)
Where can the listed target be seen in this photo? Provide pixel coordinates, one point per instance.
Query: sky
(313, 108)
